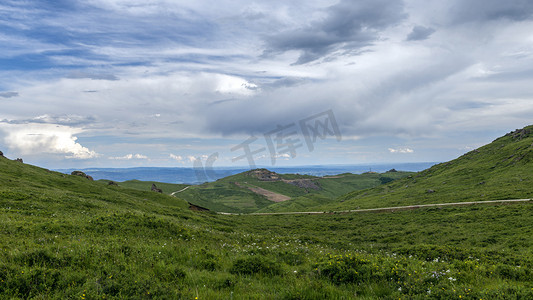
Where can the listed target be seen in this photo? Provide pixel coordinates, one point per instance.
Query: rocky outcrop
(2, 154)
(81, 174)
(155, 189)
(19, 160)
(307, 184)
(264, 175)
(112, 183)
(519, 134)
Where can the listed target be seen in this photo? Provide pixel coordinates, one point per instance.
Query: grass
(65, 237)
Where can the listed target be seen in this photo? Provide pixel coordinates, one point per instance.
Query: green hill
(499, 170)
(248, 191)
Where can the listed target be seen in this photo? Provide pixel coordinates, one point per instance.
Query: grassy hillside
(233, 194)
(65, 237)
(499, 170)
(331, 188)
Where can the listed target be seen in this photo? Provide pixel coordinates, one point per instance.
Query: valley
(65, 236)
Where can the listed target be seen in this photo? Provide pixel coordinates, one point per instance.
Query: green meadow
(65, 237)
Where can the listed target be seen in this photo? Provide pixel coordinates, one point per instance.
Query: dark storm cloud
(487, 10)
(348, 26)
(420, 33)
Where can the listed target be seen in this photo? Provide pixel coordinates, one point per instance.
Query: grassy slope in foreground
(499, 170)
(64, 237)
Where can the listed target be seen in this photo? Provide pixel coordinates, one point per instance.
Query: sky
(127, 83)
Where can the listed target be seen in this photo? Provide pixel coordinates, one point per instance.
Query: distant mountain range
(191, 175)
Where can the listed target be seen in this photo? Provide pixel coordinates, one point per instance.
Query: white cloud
(225, 84)
(401, 150)
(177, 158)
(34, 139)
(129, 157)
(192, 158)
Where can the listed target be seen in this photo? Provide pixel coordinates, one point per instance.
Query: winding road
(172, 194)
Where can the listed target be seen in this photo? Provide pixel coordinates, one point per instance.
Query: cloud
(420, 33)
(93, 76)
(177, 158)
(170, 73)
(490, 10)
(9, 94)
(192, 158)
(403, 150)
(129, 157)
(287, 82)
(36, 139)
(348, 26)
(69, 120)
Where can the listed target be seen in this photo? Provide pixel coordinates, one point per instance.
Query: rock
(155, 189)
(19, 160)
(81, 174)
(264, 175)
(304, 184)
(2, 154)
(430, 191)
(112, 183)
(196, 207)
(392, 171)
(519, 134)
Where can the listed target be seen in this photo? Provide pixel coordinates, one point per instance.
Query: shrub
(255, 265)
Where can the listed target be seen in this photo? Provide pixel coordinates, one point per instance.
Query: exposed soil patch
(272, 196)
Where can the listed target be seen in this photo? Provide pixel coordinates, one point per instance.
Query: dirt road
(180, 190)
(391, 209)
